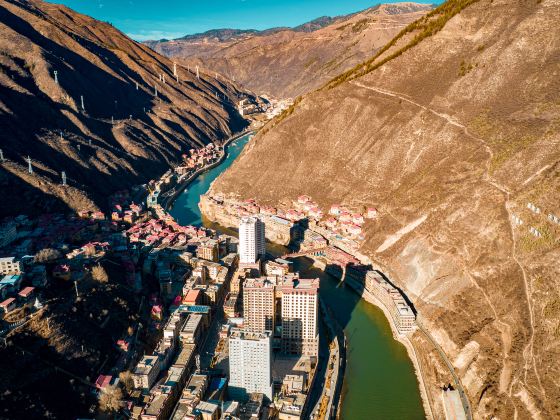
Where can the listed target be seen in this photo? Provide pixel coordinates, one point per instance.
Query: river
(379, 380)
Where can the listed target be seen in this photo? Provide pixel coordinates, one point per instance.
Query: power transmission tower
(56, 77)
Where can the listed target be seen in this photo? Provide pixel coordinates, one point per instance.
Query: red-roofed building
(123, 345)
(157, 312)
(302, 199)
(371, 212)
(316, 212)
(102, 381)
(26, 293)
(8, 305)
(192, 297)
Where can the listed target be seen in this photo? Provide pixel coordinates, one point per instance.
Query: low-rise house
(335, 210)
(8, 305)
(103, 381)
(26, 294)
(12, 282)
(357, 219)
(371, 212)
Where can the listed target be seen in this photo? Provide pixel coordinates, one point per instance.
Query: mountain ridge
(287, 63)
(124, 133)
(455, 140)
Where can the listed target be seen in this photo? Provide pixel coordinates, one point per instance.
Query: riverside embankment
(380, 380)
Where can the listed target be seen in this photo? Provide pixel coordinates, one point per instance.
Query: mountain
(228, 34)
(284, 62)
(43, 118)
(452, 132)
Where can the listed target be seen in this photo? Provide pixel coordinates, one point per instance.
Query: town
(233, 332)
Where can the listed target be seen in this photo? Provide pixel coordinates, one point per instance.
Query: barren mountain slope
(451, 134)
(116, 77)
(291, 62)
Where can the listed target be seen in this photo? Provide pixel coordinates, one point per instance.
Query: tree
(46, 255)
(111, 399)
(99, 274)
(126, 379)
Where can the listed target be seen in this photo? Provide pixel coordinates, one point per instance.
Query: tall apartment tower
(258, 305)
(249, 364)
(251, 240)
(300, 304)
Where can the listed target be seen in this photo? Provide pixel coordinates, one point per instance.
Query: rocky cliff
(452, 132)
(51, 58)
(285, 62)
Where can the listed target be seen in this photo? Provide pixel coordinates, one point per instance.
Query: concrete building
(146, 372)
(208, 410)
(192, 329)
(300, 303)
(259, 305)
(251, 240)
(9, 265)
(208, 250)
(249, 364)
(403, 317)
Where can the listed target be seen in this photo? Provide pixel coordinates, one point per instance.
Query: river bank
(180, 187)
(406, 342)
(382, 376)
(213, 210)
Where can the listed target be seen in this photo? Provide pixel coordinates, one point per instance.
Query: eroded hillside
(289, 62)
(124, 133)
(451, 132)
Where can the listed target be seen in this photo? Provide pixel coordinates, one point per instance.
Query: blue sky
(153, 19)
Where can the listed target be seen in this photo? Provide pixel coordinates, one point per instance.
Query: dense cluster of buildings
(276, 312)
(34, 252)
(332, 238)
(163, 190)
(249, 106)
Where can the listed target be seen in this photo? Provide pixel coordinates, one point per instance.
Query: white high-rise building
(300, 307)
(249, 364)
(251, 240)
